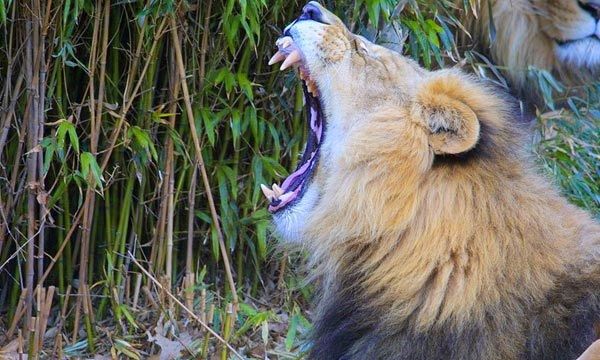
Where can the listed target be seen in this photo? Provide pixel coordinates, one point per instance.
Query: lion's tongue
(297, 175)
(292, 185)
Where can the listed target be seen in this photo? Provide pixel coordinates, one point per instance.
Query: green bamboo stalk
(121, 236)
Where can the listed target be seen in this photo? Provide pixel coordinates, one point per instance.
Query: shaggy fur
(541, 34)
(433, 235)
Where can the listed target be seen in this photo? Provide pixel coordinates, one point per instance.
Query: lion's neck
(465, 240)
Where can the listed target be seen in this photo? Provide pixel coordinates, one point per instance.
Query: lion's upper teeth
(284, 50)
(277, 58)
(291, 59)
(290, 54)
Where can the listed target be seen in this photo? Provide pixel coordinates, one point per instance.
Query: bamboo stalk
(150, 298)
(44, 315)
(88, 208)
(174, 83)
(136, 291)
(227, 325)
(189, 281)
(204, 46)
(102, 77)
(9, 109)
(18, 313)
(61, 323)
(43, 70)
(20, 345)
(32, 80)
(170, 211)
(200, 160)
(210, 315)
(203, 306)
(41, 296)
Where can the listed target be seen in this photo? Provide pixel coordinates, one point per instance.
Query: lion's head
(380, 126)
(560, 36)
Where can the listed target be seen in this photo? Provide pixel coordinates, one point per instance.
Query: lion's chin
(290, 224)
(583, 53)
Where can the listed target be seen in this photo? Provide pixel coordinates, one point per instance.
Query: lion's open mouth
(293, 187)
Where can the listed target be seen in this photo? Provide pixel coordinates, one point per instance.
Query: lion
(559, 36)
(429, 229)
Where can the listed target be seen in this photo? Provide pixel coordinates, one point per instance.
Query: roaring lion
(560, 36)
(431, 232)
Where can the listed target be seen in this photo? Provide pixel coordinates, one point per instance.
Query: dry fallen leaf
(102, 357)
(171, 349)
(42, 198)
(10, 351)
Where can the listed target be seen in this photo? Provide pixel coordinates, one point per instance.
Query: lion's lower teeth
(276, 193)
(277, 190)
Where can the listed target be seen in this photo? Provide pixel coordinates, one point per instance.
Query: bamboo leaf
(66, 10)
(291, 333)
(246, 85)
(49, 145)
(2, 12)
(125, 348)
(73, 138)
(89, 165)
(210, 121)
(125, 311)
(261, 238)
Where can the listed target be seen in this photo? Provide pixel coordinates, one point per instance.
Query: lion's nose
(311, 12)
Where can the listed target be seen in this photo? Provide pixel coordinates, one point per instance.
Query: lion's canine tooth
(269, 194)
(291, 59)
(277, 58)
(277, 190)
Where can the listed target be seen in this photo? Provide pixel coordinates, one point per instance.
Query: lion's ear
(452, 124)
